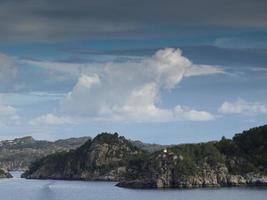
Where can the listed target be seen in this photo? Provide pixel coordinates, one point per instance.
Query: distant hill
(17, 154)
(241, 160)
(148, 147)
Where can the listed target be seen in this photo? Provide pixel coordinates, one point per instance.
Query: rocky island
(103, 158)
(241, 160)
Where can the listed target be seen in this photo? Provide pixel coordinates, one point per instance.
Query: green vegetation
(97, 157)
(247, 149)
(198, 153)
(4, 174)
(107, 138)
(56, 160)
(107, 153)
(185, 160)
(253, 146)
(113, 139)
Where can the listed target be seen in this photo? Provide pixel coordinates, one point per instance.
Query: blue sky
(170, 79)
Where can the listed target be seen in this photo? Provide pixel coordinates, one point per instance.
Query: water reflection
(46, 192)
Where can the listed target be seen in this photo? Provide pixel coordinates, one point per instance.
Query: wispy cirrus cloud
(51, 119)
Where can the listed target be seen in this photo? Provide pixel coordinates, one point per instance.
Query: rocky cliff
(173, 168)
(241, 160)
(103, 158)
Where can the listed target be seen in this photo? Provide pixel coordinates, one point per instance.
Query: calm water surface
(21, 189)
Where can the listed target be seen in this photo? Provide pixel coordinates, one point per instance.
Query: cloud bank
(132, 90)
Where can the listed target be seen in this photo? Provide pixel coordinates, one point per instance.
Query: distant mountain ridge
(149, 147)
(17, 154)
(228, 162)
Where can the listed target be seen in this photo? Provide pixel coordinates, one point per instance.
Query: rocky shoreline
(235, 162)
(5, 174)
(162, 172)
(198, 182)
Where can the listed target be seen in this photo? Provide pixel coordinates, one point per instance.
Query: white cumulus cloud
(188, 114)
(132, 90)
(241, 106)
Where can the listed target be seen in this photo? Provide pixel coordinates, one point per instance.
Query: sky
(169, 72)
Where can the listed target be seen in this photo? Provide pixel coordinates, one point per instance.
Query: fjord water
(22, 189)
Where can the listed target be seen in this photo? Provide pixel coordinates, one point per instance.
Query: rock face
(240, 161)
(103, 158)
(228, 162)
(169, 170)
(17, 154)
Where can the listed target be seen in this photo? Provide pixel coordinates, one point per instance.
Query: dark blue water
(21, 189)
